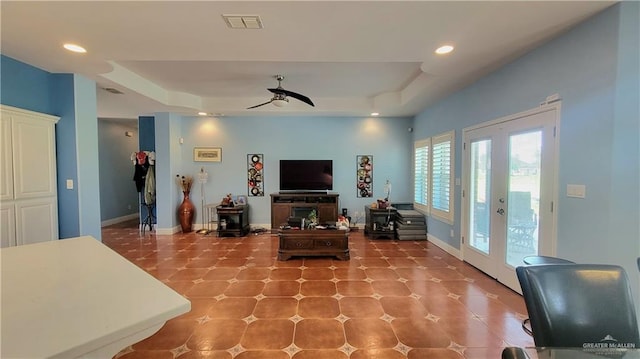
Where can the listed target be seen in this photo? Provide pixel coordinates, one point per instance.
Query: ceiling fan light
(279, 103)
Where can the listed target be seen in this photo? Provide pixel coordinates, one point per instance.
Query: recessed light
(202, 113)
(375, 114)
(444, 49)
(75, 48)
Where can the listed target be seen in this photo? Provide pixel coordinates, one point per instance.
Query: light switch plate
(69, 184)
(576, 190)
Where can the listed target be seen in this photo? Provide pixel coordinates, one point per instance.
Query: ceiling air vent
(242, 21)
(113, 91)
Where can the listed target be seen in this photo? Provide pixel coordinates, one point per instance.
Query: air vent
(113, 91)
(242, 21)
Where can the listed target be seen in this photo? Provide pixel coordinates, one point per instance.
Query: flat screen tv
(306, 175)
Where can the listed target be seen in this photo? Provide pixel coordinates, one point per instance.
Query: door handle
(500, 211)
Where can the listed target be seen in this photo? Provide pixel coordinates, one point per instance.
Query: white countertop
(77, 298)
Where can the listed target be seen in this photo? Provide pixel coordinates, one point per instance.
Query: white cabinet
(7, 224)
(36, 220)
(6, 166)
(28, 191)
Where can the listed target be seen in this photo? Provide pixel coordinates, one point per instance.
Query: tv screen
(306, 175)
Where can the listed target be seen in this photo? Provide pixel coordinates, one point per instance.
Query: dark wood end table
(233, 221)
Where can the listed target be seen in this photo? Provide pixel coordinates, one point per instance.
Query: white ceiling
(349, 57)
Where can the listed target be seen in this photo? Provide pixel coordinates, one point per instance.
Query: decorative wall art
(255, 170)
(364, 175)
(207, 154)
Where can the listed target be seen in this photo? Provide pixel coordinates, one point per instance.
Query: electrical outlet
(451, 233)
(129, 207)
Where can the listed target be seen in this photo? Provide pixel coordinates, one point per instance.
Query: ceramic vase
(185, 213)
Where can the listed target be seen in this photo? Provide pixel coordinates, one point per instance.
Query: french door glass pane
(524, 196)
(480, 196)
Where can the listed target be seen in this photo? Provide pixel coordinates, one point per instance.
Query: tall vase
(185, 213)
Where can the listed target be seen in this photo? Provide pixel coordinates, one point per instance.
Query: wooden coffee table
(313, 242)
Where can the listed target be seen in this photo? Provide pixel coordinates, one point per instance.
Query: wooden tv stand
(295, 204)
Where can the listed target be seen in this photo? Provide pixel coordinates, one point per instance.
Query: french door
(509, 181)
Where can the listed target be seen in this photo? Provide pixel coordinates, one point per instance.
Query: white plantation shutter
(433, 175)
(441, 173)
(421, 173)
(442, 176)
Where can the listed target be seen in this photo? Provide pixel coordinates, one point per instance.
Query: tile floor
(393, 299)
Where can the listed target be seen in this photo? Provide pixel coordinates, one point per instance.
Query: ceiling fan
(280, 96)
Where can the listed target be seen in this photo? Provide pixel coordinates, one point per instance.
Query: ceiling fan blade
(295, 95)
(262, 104)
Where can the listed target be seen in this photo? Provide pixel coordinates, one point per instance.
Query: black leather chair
(513, 353)
(537, 260)
(569, 353)
(573, 305)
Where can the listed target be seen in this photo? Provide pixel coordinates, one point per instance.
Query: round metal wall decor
(364, 175)
(255, 168)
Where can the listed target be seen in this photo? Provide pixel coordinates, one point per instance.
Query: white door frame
(551, 249)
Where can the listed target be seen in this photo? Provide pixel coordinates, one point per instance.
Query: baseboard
(196, 227)
(265, 226)
(167, 231)
(444, 246)
(116, 220)
(177, 229)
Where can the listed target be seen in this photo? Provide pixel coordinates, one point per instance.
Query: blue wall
(68, 209)
(168, 156)
(147, 134)
(72, 98)
(118, 195)
(25, 86)
(85, 105)
(624, 215)
(337, 138)
(594, 68)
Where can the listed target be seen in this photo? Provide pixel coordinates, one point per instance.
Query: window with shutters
(442, 176)
(433, 176)
(421, 174)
